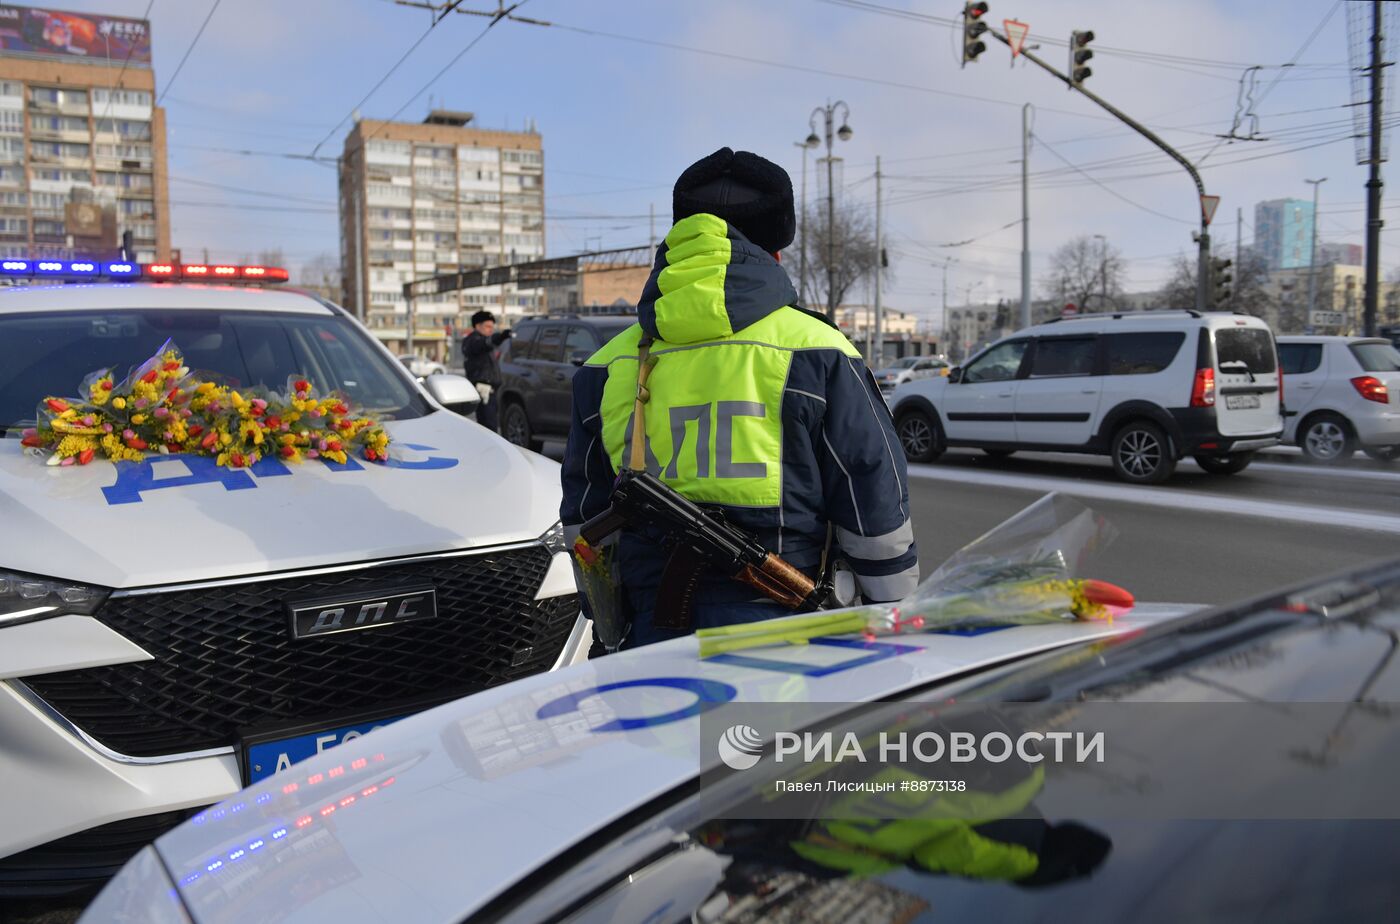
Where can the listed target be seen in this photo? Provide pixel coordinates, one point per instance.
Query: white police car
(588, 795)
(164, 624)
(528, 802)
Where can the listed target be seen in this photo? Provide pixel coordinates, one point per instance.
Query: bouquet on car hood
(1026, 571)
(162, 407)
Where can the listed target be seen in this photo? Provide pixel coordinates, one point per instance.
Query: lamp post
(806, 145)
(1312, 255)
(828, 116)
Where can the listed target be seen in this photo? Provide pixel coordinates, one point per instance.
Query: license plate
(1241, 402)
(264, 758)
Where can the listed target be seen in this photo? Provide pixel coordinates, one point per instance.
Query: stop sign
(1070, 310)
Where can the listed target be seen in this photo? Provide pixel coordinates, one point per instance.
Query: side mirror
(579, 357)
(454, 392)
(955, 375)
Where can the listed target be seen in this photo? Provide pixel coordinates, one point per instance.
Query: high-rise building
(82, 143)
(1283, 232)
(419, 199)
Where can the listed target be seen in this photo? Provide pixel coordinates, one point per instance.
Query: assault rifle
(702, 539)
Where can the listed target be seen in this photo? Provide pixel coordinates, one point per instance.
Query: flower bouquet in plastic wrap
(1029, 570)
(162, 407)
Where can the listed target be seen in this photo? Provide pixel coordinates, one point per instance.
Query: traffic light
(1220, 282)
(1079, 55)
(973, 26)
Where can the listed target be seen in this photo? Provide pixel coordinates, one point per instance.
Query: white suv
(1343, 393)
(170, 628)
(1146, 389)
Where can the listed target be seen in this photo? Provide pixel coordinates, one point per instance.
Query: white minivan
(1147, 389)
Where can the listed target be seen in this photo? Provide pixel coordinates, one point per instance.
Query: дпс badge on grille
(329, 615)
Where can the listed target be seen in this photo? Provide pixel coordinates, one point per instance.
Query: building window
(126, 128)
(104, 97)
(11, 120)
(55, 96)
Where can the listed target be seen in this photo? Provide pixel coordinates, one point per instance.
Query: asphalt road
(1199, 538)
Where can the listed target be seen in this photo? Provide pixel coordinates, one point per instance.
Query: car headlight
(24, 598)
(553, 538)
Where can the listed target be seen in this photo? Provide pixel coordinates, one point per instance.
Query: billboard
(95, 37)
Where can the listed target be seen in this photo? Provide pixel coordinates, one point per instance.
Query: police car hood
(432, 817)
(452, 485)
(709, 281)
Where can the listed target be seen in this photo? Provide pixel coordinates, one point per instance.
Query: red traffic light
(975, 10)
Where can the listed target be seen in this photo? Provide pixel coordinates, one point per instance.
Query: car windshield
(49, 354)
(1376, 356)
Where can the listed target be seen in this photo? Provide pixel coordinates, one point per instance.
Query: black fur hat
(751, 193)
(481, 317)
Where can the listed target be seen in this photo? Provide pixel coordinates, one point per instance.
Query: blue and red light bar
(90, 269)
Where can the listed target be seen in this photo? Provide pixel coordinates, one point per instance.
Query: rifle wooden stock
(779, 581)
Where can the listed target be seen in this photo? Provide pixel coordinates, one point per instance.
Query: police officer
(478, 356)
(758, 408)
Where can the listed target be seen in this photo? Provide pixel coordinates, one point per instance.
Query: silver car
(908, 369)
(1341, 394)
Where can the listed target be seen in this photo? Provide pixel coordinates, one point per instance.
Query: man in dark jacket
(757, 407)
(478, 352)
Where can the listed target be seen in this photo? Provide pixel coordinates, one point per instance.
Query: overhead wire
(379, 83)
(188, 51)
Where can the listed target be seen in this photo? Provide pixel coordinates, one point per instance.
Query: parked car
(171, 630)
(612, 809)
(908, 369)
(1146, 389)
(1343, 394)
(537, 371)
(420, 367)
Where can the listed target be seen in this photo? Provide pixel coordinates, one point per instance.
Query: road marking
(1171, 498)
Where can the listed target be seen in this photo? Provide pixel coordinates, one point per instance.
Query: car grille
(82, 861)
(225, 662)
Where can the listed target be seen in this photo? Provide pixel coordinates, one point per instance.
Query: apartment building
(82, 143)
(419, 199)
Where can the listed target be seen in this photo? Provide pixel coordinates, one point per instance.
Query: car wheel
(1327, 439)
(1000, 453)
(1383, 453)
(1141, 454)
(515, 427)
(920, 435)
(1228, 463)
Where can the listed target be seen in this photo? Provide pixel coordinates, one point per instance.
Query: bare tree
(1249, 287)
(1086, 272)
(321, 274)
(855, 258)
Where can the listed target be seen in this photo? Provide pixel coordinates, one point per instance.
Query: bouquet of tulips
(162, 407)
(1025, 571)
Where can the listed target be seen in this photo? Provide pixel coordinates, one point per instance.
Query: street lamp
(1312, 255)
(828, 115)
(806, 145)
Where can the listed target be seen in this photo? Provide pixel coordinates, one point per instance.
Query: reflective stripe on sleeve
(890, 587)
(890, 545)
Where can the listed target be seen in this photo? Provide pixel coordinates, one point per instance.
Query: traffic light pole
(1203, 237)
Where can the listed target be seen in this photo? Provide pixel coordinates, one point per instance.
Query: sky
(627, 93)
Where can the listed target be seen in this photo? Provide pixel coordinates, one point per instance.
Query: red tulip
(85, 456)
(57, 405)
